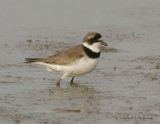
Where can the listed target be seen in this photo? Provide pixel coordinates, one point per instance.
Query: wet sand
(124, 88)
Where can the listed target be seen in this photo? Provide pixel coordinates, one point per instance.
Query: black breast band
(90, 53)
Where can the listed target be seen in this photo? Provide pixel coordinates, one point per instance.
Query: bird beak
(104, 43)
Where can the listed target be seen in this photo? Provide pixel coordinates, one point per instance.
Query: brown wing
(62, 58)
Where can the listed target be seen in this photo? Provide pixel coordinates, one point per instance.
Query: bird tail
(32, 60)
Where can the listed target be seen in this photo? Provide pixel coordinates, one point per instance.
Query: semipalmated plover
(75, 61)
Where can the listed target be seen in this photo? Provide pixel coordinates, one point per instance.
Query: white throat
(94, 47)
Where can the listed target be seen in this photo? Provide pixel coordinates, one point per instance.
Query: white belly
(79, 67)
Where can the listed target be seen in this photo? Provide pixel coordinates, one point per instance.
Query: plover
(78, 60)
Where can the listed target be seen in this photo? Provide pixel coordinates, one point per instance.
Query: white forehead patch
(90, 37)
(100, 39)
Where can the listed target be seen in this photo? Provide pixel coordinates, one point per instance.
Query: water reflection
(76, 98)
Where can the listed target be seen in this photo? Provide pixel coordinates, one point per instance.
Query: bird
(78, 60)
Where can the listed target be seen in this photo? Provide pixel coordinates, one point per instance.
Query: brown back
(66, 57)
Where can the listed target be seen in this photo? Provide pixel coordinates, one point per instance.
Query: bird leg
(58, 82)
(71, 82)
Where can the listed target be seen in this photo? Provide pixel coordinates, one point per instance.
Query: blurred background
(73, 14)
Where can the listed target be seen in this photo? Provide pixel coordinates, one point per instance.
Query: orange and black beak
(104, 43)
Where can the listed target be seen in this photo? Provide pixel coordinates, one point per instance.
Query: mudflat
(124, 88)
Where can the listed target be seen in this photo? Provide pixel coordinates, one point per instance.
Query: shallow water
(124, 88)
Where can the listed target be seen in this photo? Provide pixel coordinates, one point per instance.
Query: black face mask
(95, 39)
